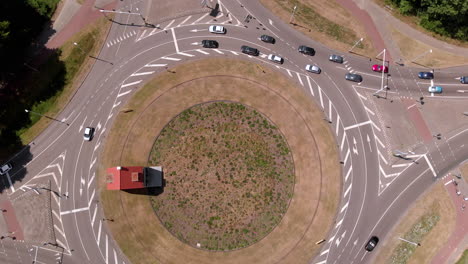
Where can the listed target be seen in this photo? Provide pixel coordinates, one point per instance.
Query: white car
(217, 29)
(434, 89)
(313, 68)
(276, 59)
(88, 133)
(5, 168)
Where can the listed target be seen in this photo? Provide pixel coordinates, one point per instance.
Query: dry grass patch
(411, 49)
(141, 235)
(324, 21)
(464, 171)
(430, 222)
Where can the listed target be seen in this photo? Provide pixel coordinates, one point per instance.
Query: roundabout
(145, 239)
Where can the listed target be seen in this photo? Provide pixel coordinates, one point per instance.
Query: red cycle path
(368, 24)
(418, 121)
(13, 226)
(461, 229)
(86, 15)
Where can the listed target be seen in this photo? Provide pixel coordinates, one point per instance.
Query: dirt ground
(435, 239)
(318, 181)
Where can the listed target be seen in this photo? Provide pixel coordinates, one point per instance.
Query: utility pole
(412, 243)
(292, 14)
(51, 118)
(383, 75)
(422, 55)
(355, 44)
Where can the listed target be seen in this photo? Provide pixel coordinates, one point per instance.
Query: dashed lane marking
(357, 125)
(155, 65)
(74, 211)
(171, 59)
(202, 52)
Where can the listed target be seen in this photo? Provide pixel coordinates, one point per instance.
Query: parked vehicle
(275, 59)
(426, 75)
(464, 79)
(217, 29)
(372, 243)
(306, 50)
(213, 44)
(267, 39)
(313, 68)
(336, 58)
(5, 168)
(435, 89)
(378, 68)
(353, 77)
(250, 51)
(89, 133)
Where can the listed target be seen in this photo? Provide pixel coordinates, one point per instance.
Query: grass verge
(464, 258)
(430, 222)
(324, 21)
(64, 74)
(411, 49)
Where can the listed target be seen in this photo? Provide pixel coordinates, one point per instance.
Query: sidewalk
(13, 226)
(457, 242)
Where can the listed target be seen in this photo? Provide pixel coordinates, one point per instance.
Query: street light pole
(420, 56)
(355, 44)
(292, 14)
(412, 243)
(51, 118)
(383, 75)
(128, 13)
(76, 44)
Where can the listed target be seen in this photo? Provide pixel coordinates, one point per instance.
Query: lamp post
(292, 14)
(51, 118)
(422, 55)
(128, 13)
(412, 243)
(355, 44)
(76, 44)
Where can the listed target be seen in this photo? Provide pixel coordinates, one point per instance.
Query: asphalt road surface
(375, 192)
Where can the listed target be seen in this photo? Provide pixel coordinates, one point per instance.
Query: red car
(378, 68)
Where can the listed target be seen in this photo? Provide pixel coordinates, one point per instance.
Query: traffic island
(137, 229)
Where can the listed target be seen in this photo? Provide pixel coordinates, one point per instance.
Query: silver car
(313, 68)
(217, 29)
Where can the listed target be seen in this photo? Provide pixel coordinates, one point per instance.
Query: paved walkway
(458, 241)
(13, 226)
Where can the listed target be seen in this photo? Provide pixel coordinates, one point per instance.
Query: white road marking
(169, 58)
(411, 106)
(94, 216)
(430, 165)
(449, 182)
(368, 142)
(401, 165)
(91, 180)
(347, 190)
(185, 54)
(107, 250)
(91, 198)
(299, 77)
(347, 156)
(320, 95)
(362, 96)
(378, 141)
(114, 106)
(184, 21)
(338, 224)
(168, 25)
(337, 124)
(457, 134)
(200, 18)
(310, 86)
(348, 173)
(324, 252)
(342, 141)
(368, 110)
(382, 157)
(330, 116)
(216, 50)
(233, 52)
(355, 150)
(155, 65)
(74, 211)
(289, 72)
(175, 39)
(58, 229)
(344, 207)
(142, 73)
(115, 257)
(357, 125)
(322, 262)
(201, 51)
(130, 84)
(99, 232)
(124, 93)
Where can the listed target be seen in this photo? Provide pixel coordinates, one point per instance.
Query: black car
(306, 50)
(336, 58)
(372, 243)
(267, 39)
(250, 50)
(212, 44)
(353, 77)
(426, 75)
(464, 79)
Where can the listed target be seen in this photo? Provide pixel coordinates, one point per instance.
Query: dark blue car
(464, 79)
(426, 75)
